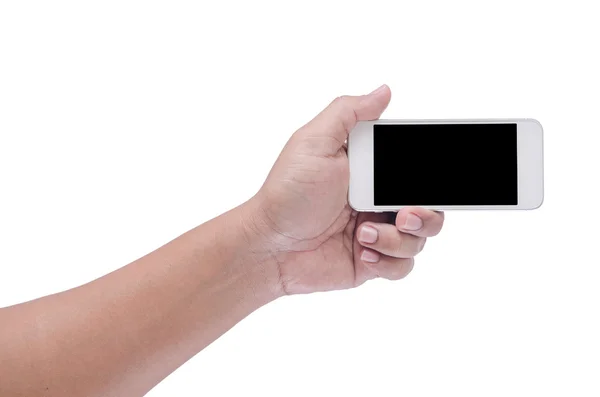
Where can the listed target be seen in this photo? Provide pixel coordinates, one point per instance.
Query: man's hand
(318, 242)
(121, 334)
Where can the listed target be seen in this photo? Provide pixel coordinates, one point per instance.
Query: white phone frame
(530, 165)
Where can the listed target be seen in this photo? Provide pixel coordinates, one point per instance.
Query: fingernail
(378, 90)
(413, 222)
(367, 234)
(369, 256)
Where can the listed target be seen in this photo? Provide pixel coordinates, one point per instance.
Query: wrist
(257, 251)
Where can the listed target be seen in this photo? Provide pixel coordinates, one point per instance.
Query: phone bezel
(530, 161)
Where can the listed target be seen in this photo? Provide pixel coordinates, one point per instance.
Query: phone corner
(540, 203)
(536, 122)
(537, 204)
(352, 205)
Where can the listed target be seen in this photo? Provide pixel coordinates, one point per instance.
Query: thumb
(339, 118)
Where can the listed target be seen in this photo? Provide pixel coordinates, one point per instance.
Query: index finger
(419, 221)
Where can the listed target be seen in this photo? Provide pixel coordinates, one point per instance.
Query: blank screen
(445, 164)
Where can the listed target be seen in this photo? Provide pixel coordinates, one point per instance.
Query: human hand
(318, 242)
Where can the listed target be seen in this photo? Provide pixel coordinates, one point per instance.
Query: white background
(123, 124)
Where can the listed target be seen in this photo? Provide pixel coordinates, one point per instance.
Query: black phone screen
(445, 164)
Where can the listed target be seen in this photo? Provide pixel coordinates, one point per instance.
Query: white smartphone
(446, 164)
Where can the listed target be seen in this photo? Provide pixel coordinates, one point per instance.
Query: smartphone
(446, 164)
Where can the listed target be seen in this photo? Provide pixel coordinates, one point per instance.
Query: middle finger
(386, 239)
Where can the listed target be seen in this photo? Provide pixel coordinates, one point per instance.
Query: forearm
(140, 322)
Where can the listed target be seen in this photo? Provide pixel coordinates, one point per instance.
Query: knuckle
(403, 269)
(343, 107)
(341, 101)
(439, 223)
(398, 248)
(407, 246)
(408, 265)
(420, 244)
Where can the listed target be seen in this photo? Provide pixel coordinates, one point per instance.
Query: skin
(123, 333)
